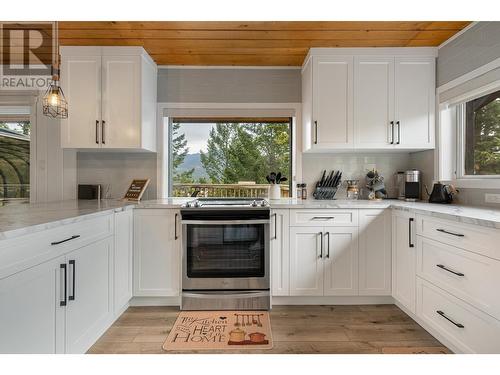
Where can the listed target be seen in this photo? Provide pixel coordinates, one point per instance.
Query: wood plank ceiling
(252, 43)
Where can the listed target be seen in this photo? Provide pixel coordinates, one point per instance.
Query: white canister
(275, 191)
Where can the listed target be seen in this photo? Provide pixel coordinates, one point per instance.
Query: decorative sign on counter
(136, 190)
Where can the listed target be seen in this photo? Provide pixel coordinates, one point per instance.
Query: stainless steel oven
(225, 260)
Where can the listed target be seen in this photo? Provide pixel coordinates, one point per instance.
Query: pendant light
(54, 103)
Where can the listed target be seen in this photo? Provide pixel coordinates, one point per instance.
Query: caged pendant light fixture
(54, 103)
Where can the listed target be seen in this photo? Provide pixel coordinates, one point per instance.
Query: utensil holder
(275, 191)
(324, 193)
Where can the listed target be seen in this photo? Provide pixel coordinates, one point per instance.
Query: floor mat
(209, 330)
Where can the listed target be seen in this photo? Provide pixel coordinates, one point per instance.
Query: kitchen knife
(322, 178)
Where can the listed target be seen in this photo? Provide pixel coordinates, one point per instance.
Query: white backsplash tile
(354, 166)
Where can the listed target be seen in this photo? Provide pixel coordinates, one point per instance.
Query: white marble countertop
(19, 219)
(22, 218)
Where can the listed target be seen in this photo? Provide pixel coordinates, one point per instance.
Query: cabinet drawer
(22, 252)
(462, 273)
(467, 328)
(324, 218)
(476, 238)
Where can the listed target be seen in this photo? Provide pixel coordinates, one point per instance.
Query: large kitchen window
(480, 136)
(228, 157)
(15, 130)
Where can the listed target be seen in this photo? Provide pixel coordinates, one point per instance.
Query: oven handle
(224, 222)
(226, 295)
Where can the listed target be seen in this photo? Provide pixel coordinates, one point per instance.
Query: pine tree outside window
(228, 157)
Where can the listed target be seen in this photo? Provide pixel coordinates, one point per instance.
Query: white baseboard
(332, 300)
(155, 301)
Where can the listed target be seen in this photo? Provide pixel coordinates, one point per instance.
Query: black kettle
(440, 193)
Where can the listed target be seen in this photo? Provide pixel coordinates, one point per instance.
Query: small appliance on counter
(441, 193)
(412, 185)
(399, 178)
(90, 192)
(352, 192)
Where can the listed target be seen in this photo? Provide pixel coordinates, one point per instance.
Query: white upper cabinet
(373, 101)
(329, 109)
(368, 99)
(414, 102)
(111, 93)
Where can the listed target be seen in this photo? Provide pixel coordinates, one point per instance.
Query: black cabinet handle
(175, 227)
(328, 245)
(392, 132)
(453, 234)
(103, 134)
(65, 299)
(449, 319)
(73, 264)
(410, 220)
(321, 244)
(275, 226)
(315, 132)
(66, 240)
(399, 132)
(451, 271)
(97, 131)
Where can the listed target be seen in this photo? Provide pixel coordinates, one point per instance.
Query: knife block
(324, 193)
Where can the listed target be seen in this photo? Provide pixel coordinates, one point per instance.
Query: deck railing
(226, 190)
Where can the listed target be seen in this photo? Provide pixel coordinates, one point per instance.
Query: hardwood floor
(359, 329)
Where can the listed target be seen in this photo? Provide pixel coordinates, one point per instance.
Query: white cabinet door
(332, 102)
(374, 252)
(306, 266)
(121, 102)
(340, 256)
(280, 252)
(124, 228)
(414, 102)
(373, 102)
(90, 304)
(31, 318)
(157, 244)
(307, 106)
(403, 258)
(81, 83)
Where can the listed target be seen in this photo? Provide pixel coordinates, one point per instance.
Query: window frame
(169, 121)
(461, 178)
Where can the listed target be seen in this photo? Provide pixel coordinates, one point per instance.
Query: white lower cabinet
(468, 329)
(323, 261)
(403, 258)
(124, 244)
(31, 318)
(375, 252)
(157, 247)
(280, 255)
(89, 308)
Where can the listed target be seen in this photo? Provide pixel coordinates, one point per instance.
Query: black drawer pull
(410, 244)
(321, 244)
(65, 299)
(451, 271)
(453, 234)
(73, 264)
(450, 320)
(66, 240)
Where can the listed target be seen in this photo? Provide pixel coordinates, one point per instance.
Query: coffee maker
(409, 184)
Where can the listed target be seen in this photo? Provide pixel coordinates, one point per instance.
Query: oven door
(225, 254)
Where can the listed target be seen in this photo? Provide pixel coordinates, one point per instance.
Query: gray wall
(475, 47)
(229, 85)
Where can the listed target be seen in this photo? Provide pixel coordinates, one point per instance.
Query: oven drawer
(460, 272)
(468, 329)
(230, 300)
(323, 217)
(476, 238)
